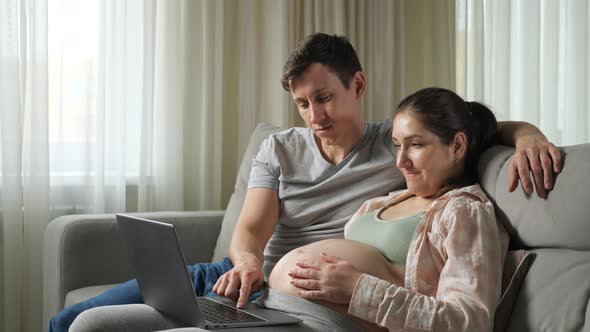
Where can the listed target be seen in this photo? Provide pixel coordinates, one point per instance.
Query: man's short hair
(332, 51)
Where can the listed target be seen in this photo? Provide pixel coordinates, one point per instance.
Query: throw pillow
(516, 266)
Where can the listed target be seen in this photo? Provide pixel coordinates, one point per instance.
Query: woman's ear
(459, 146)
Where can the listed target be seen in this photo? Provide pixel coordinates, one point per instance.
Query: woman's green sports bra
(391, 237)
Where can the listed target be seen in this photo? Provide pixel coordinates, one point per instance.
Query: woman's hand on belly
(364, 258)
(328, 279)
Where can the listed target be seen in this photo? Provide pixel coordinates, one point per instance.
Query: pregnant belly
(363, 257)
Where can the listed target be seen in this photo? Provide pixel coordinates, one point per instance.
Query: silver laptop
(159, 266)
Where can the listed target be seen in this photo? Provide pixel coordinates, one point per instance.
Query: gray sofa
(84, 254)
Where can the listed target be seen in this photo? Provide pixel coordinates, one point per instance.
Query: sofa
(84, 255)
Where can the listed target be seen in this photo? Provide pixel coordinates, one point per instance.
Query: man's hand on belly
(329, 279)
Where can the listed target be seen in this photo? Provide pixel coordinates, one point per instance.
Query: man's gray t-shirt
(316, 197)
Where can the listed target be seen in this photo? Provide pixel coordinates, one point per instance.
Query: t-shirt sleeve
(265, 167)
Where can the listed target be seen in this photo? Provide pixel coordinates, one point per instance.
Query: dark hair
(334, 51)
(445, 114)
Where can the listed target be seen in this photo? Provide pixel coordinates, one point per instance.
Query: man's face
(327, 107)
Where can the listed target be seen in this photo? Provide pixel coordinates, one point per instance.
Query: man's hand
(239, 282)
(330, 279)
(534, 153)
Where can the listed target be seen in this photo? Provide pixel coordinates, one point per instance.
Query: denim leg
(126, 293)
(205, 275)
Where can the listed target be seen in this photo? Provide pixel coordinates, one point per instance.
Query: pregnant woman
(429, 257)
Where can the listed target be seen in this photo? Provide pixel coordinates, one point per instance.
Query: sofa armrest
(88, 250)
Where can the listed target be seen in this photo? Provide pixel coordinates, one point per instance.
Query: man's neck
(336, 153)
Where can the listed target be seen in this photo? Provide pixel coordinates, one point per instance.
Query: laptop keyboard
(218, 313)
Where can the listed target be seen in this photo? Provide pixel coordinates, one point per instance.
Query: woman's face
(424, 160)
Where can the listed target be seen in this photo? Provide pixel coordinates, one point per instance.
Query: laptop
(158, 263)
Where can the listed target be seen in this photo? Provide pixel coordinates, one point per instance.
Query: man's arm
(533, 153)
(257, 221)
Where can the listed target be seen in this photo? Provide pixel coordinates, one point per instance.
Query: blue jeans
(204, 276)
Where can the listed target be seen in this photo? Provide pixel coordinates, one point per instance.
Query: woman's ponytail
(481, 130)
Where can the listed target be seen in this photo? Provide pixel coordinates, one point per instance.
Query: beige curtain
(403, 46)
(229, 56)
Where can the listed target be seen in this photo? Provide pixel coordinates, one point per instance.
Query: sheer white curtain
(117, 105)
(529, 60)
(91, 121)
(142, 105)
(24, 160)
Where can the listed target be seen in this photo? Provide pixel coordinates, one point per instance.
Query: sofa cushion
(234, 207)
(555, 293)
(83, 294)
(559, 221)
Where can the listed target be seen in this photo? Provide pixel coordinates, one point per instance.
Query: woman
(429, 257)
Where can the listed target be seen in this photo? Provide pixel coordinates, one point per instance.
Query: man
(307, 182)
(312, 180)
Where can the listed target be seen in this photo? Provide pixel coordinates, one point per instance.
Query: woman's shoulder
(464, 204)
(465, 195)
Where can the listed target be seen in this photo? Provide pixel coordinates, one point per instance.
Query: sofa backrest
(234, 207)
(560, 221)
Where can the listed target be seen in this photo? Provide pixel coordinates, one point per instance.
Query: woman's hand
(330, 279)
